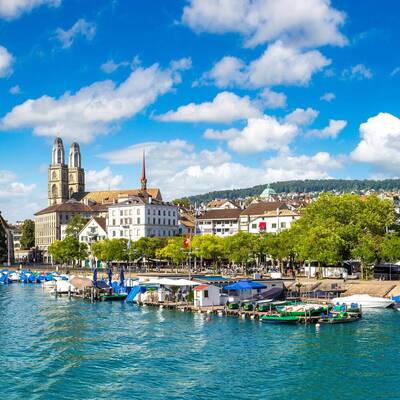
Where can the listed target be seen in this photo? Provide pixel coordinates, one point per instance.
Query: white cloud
(104, 178)
(273, 99)
(16, 198)
(288, 167)
(328, 96)
(15, 89)
(6, 62)
(358, 72)
(331, 131)
(278, 65)
(94, 109)
(380, 143)
(80, 28)
(111, 66)
(225, 107)
(260, 134)
(179, 170)
(301, 116)
(10, 9)
(305, 23)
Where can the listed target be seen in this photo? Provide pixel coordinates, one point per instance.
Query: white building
(221, 204)
(207, 295)
(141, 216)
(268, 217)
(95, 230)
(220, 222)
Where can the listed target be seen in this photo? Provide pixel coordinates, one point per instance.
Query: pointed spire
(143, 179)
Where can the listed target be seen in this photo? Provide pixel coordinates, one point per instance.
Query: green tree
(56, 250)
(146, 246)
(75, 225)
(28, 234)
(390, 248)
(240, 248)
(208, 247)
(367, 251)
(173, 250)
(184, 202)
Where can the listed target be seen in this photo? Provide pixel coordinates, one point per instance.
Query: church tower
(76, 174)
(143, 179)
(58, 175)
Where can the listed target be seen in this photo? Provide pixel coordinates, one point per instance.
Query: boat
(279, 319)
(339, 318)
(301, 310)
(113, 297)
(364, 300)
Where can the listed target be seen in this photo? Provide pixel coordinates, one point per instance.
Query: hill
(309, 185)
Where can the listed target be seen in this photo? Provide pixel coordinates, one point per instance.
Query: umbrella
(95, 275)
(121, 277)
(245, 284)
(109, 273)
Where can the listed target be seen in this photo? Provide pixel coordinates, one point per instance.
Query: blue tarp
(135, 290)
(396, 299)
(245, 284)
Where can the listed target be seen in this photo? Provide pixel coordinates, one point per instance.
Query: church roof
(108, 196)
(71, 206)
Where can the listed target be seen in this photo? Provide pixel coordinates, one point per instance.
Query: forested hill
(309, 185)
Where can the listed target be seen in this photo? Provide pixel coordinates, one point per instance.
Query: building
(187, 222)
(8, 233)
(220, 222)
(95, 230)
(221, 204)
(142, 216)
(268, 217)
(67, 197)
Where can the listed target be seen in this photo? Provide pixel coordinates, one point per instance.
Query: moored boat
(339, 318)
(113, 297)
(279, 319)
(364, 300)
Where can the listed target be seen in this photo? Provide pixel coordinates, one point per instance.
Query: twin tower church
(65, 180)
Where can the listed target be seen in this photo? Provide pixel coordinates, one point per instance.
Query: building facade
(219, 222)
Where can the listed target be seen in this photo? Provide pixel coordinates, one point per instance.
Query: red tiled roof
(201, 287)
(263, 207)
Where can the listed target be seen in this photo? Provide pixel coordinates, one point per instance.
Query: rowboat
(279, 319)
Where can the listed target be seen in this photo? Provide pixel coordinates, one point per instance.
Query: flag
(129, 243)
(186, 243)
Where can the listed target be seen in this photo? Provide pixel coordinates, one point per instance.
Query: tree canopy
(28, 235)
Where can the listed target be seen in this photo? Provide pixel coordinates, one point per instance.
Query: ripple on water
(70, 349)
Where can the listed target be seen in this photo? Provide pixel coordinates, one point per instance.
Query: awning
(245, 284)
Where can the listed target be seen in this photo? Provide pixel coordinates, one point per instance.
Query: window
(113, 222)
(254, 226)
(283, 224)
(121, 213)
(273, 226)
(138, 220)
(169, 213)
(154, 221)
(113, 233)
(206, 294)
(159, 212)
(138, 211)
(164, 213)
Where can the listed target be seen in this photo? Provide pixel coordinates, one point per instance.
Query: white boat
(364, 300)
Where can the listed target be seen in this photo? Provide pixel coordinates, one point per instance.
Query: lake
(70, 349)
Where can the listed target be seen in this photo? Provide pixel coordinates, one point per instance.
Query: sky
(220, 94)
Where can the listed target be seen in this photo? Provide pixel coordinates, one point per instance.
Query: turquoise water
(69, 349)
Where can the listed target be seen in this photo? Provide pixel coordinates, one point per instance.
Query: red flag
(186, 243)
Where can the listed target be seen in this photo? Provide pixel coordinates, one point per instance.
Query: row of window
(154, 221)
(131, 211)
(273, 225)
(137, 233)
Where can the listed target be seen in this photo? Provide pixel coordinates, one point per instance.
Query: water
(69, 349)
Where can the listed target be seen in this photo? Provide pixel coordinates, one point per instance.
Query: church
(67, 196)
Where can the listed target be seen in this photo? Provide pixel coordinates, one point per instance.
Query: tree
(68, 250)
(390, 248)
(28, 235)
(367, 251)
(146, 246)
(174, 251)
(240, 248)
(208, 247)
(75, 225)
(184, 202)
(56, 250)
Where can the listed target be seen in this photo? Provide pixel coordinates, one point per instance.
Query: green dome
(267, 192)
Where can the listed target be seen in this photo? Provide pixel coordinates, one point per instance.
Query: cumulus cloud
(278, 65)
(333, 129)
(380, 143)
(328, 96)
(94, 109)
(273, 99)
(10, 9)
(179, 170)
(357, 72)
(260, 134)
(104, 178)
(111, 66)
(306, 23)
(6, 62)
(16, 198)
(301, 116)
(225, 107)
(80, 28)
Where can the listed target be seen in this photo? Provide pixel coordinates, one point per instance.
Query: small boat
(364, 300)
(113, 297)
(279, 319)
(340, 318)
(301, 310)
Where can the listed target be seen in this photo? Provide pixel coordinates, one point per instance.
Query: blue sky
(220, 93)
